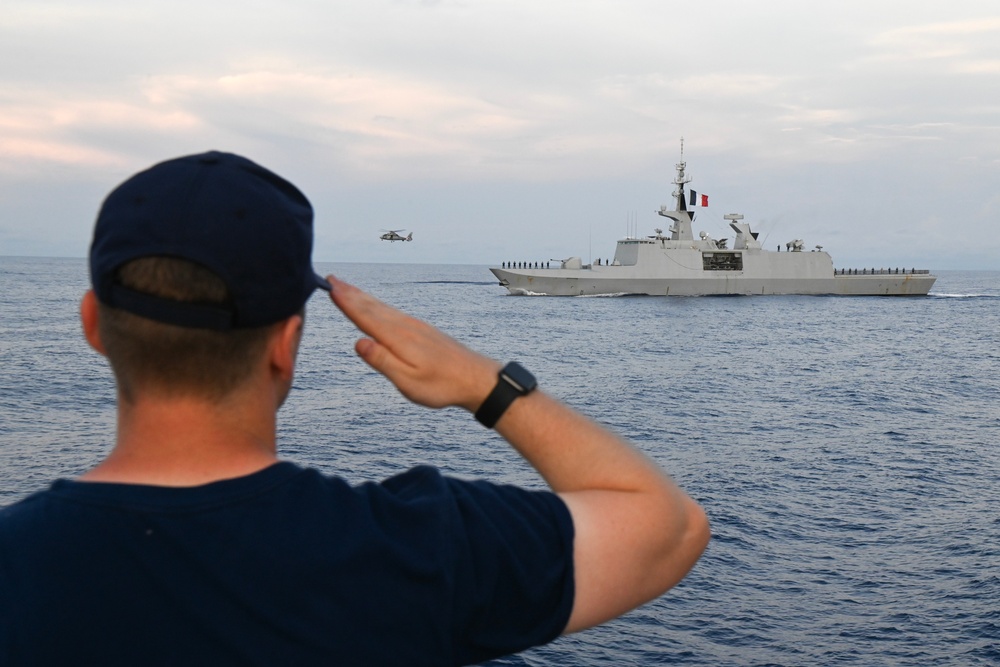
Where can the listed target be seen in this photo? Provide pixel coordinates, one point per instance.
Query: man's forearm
(573, 453)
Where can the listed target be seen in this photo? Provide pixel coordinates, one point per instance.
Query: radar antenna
(680, 181)
(681, 166)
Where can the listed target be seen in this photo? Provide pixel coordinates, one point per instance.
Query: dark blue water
(845, 449)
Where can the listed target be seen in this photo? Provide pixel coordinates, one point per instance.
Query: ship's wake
(526, 292)
(942, 295)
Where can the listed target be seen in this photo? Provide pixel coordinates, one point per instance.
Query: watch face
(522, 380)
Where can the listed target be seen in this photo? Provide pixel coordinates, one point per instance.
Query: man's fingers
(407, 339)
(426, 365)
(378, 321)
(369, 350)
(377, 356)
(368, 313)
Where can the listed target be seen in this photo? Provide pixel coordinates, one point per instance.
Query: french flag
(698, 200)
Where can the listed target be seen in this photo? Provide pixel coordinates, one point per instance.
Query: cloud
(372, 119)
(46, 127)
(960, 46)
(508, 108)
(15, 150)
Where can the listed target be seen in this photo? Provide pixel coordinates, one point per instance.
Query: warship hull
(660, 270)
(604, 281)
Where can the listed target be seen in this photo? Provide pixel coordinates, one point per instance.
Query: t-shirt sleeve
(517, 566)
(511, 553)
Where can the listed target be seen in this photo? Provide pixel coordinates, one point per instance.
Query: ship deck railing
(879, 272)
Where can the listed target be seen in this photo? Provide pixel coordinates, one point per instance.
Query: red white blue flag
(698, 200)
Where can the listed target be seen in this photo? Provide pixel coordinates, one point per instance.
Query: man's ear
(89, 317)
(285, 346)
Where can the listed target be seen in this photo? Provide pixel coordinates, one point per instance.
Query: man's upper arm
(625, 554)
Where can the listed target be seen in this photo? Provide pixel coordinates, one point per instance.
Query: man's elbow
(683, 544)
(699, 530)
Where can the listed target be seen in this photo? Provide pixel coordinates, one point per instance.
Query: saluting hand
(426, 365)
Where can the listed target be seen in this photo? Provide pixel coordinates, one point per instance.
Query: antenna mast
(681, 230)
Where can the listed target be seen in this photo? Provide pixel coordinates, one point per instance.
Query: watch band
(512, 381)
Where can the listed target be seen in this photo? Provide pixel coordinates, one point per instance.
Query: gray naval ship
(678, 264)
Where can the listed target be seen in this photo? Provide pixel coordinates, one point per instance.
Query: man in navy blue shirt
(191, 543)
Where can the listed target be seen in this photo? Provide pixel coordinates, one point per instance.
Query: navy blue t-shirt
(283, 567)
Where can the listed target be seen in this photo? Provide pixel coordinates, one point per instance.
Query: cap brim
(323, 283)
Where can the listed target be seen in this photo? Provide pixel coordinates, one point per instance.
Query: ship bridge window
(722, 261)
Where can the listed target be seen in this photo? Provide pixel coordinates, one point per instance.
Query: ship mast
(680, 181)
(681, 229)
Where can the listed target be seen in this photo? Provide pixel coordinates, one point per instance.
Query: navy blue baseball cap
(242, 222)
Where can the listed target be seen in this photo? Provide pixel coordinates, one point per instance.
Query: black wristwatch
(514, 381)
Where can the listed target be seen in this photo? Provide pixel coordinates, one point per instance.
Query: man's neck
(188, 442)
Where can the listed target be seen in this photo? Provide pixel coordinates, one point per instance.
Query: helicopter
(394, 235)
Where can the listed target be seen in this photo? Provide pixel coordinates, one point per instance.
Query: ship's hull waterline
(604, 281)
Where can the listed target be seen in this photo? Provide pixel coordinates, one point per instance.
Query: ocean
(844, 448)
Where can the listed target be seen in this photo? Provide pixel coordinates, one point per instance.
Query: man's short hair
(169, 360)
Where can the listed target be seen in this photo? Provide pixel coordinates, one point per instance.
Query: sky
(524, 130)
